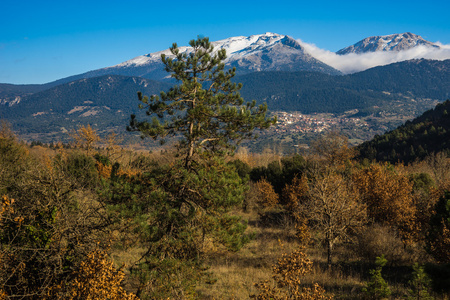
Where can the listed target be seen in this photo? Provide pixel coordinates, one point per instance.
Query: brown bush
(287, 275)
(268, 198)
(377, 240)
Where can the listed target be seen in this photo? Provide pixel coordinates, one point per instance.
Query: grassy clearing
(233, 275)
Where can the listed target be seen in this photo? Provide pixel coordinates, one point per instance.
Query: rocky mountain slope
(393, 42)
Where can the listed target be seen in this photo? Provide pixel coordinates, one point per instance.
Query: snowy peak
(239, 46)
(262, 52)
(393, 42)
(242, 46)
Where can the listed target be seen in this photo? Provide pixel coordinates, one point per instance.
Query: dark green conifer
(191, 197)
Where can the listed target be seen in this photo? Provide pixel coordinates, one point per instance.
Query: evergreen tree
(420, 284)
(206, 109)
(377, 287)
(189, 199)
(438, 237)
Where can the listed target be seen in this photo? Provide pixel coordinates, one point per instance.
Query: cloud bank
(352, 63)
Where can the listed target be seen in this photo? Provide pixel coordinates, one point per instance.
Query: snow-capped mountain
(393, 42)
(263, 52)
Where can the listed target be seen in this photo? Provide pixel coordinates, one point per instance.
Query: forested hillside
(106, 101)
(415, 140)
(377, 89)
(401, 89)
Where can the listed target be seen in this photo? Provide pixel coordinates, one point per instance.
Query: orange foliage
(389, 198)
(104, 171)
(6, 207)
(334, 148)
(296, 194)
(85, 137)
(269, 198)
(97, 278)
(3, 295)
(287, 274)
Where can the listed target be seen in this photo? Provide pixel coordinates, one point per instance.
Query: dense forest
(417, 139)
(203, 218)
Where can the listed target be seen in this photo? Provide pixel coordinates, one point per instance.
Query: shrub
(377, 287)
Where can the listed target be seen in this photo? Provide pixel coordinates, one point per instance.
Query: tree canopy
(205, 109)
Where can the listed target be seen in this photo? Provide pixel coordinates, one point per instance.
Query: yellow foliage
(3, 295)
(85, 137)
(269, 198)
(6, 206)
(97, 278)
(103, 170)
(302, 232)
(287, 275)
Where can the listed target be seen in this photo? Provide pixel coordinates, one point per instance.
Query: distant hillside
(105, 101)
(401, 89)
(426, 134)
(369, 91)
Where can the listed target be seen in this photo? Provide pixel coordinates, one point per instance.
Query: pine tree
(189, 199)
(420, 284)
(377, 287)
(206, 109)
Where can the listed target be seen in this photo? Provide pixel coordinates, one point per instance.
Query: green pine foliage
(377, 287)
(427, 134)
(438, 237)
(186, 203)
(280, 173)
(420, 284)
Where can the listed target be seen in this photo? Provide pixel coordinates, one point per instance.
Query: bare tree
(334, 148)
(332, 205)
(440, 167)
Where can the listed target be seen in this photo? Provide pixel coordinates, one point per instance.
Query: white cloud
(351, 63)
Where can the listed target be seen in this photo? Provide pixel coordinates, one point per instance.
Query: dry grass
(233, 275)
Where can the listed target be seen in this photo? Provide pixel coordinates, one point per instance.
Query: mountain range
(274, 68)
(393, 42)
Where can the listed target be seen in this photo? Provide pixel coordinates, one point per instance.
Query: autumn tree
(389, 199)
(189, 199)
(46, 227)
(85, 138)
(267, 196)
(95, 278)
(330, 203)
(439, 164)
(334, 148)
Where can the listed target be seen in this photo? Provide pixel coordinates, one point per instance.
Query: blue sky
(42, 41)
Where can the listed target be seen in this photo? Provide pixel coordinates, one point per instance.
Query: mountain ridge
(392, 42)
(109, 100)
